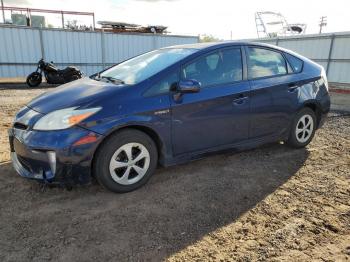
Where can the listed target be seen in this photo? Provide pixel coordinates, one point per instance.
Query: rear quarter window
(295, 63)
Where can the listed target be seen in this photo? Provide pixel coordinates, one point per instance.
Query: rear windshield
(144, 66)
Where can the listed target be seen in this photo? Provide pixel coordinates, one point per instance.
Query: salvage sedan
(166, 107)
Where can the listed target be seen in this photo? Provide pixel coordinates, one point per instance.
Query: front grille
(20, 126)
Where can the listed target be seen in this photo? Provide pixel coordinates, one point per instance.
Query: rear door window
(265, 62)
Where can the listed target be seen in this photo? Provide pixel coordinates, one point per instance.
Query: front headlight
(64, 118)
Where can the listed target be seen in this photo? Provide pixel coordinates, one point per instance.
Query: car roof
(214, 45)
(205, 45)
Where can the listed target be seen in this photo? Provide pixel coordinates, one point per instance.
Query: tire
(303, 128)
(112, 167)
(34, 79)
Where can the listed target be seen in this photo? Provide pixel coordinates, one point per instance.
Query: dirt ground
(272, 203)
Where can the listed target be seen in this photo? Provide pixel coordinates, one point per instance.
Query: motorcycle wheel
(34, 79)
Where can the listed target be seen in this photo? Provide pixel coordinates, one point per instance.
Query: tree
(208, 38)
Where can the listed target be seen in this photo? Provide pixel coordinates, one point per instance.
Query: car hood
(82, 92)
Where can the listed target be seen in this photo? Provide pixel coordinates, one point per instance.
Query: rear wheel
(303, 128)
(125, 161)
(34, 79)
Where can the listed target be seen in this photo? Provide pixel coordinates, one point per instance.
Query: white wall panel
(312, 48)
(317, 47)
(20, 48)
(341, 48)
(72, 47)
(339, 72)
(18, 45)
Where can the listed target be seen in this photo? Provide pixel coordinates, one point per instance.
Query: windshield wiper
(113, 80)
(110, 79)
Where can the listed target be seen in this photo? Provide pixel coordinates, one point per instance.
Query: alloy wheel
(129, 163)
(304, 128)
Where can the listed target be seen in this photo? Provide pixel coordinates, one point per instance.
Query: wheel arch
(145, 129)
(314, 106)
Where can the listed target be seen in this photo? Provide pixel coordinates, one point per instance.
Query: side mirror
(189, 86)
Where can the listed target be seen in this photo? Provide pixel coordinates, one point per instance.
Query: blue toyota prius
(165, 107)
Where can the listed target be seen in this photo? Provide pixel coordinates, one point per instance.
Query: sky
(218, 18)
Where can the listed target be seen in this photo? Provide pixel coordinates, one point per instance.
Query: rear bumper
(51, 156)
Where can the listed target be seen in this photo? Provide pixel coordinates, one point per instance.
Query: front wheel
(34, 79)
(125, 161)
(303, 128)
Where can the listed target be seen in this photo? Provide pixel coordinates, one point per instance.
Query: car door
(274, 92)
(219, 113)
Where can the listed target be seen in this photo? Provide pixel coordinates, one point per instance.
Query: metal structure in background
(91, 51)
(29, 12)
(323, 22)
(331, 50)
(3, 11)
(121, 27)
(272, 24)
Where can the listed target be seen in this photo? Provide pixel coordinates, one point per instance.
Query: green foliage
(208, 38)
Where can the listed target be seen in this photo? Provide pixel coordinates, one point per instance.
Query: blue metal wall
(21, 48)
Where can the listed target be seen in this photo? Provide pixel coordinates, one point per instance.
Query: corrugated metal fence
(332, 51)
(21, 48)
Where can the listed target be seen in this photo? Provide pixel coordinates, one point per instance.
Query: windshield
(142, 67)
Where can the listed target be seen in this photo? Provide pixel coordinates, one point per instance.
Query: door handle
(292, 87)
(239, 100)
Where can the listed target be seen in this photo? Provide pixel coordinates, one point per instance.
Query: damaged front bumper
(53, 156)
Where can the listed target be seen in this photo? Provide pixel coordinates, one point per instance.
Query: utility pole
(3, 11)
(323, 22)
(62, 18)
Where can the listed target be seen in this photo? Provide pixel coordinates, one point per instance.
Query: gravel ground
(272, 203)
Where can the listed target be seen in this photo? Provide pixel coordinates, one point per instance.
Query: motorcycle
(52, 74)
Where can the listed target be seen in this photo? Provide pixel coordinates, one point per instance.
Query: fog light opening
(52, 160)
